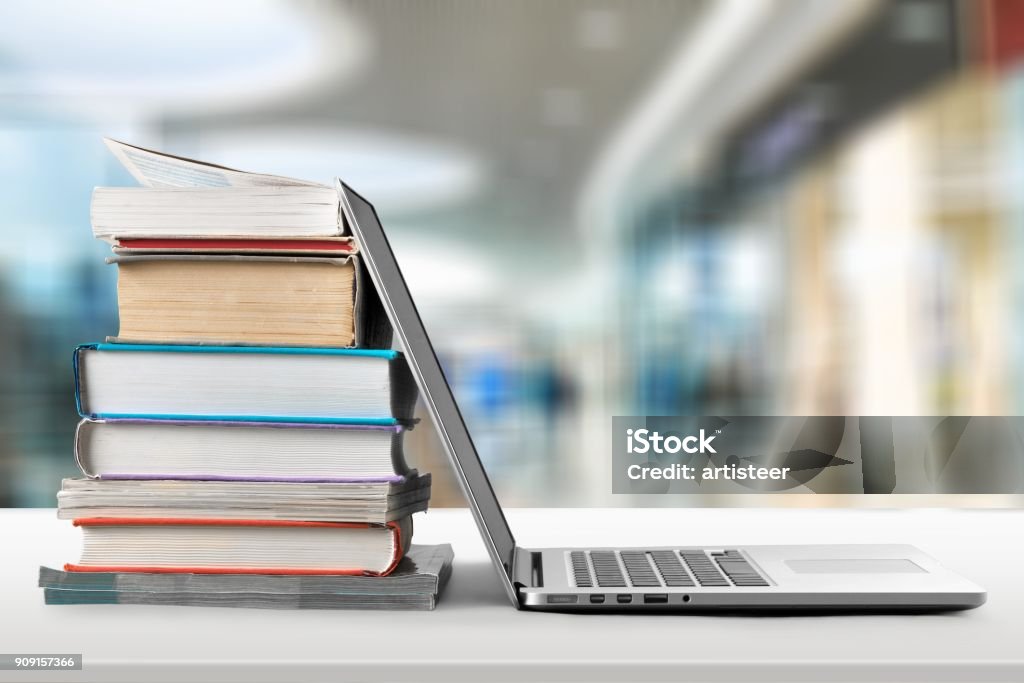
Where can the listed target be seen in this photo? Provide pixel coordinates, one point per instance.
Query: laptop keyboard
(662, 568)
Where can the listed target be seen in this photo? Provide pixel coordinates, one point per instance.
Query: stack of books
(243, 431)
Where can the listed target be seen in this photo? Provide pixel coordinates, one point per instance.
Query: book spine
(398, 462)
(400, 541)
(76, 362)
(403, 390)
(373, 330)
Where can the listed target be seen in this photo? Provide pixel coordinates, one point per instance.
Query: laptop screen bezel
(382, 267)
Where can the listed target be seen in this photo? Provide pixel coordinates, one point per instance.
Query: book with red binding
(293, 247)
(240, 546)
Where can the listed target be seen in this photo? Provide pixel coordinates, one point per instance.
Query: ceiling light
(171, 55)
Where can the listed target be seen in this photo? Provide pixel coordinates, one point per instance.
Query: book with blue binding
(243, 383)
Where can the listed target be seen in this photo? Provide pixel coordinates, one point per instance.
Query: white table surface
(475, 634)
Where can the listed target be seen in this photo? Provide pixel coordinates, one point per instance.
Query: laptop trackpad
(855, 566)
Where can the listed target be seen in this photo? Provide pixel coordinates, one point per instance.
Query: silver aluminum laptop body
(671, 578)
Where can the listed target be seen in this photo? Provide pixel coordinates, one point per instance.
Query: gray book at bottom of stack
(416, 584)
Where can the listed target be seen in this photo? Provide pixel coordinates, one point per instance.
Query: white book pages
(225, 385)
(148, 499)
(237, 450)
(249, 212)
(157, 169)
(220, 547)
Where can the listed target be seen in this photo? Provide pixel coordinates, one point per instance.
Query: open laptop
(670, 578)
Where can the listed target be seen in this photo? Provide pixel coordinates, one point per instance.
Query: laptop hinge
(528, 568)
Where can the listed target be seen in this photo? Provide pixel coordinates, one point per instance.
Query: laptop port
(656, 598)
(597, 598)
(561, 599)
(623, 598)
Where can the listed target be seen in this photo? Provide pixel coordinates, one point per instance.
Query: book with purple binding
(221, 450)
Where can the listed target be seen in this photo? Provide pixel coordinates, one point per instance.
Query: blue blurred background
(777, 207)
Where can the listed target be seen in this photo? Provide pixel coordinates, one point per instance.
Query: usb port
(597, 598)
(656, 598)
(624, 598)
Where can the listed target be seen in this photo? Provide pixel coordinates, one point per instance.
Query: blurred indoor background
(748, 207)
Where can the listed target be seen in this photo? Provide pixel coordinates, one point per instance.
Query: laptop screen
(387, 277)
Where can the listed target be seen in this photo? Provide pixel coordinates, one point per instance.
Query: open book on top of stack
(248, 419)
